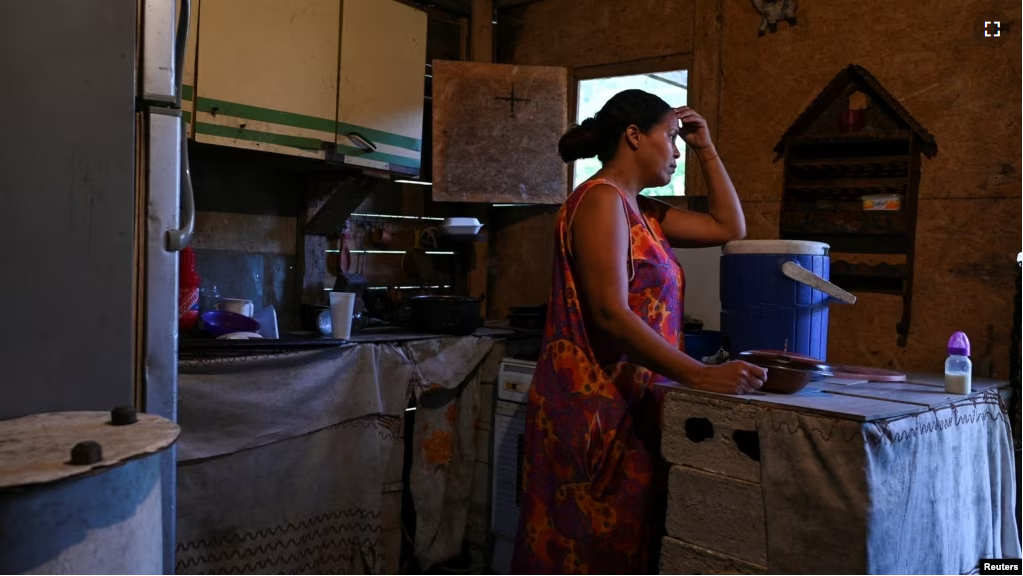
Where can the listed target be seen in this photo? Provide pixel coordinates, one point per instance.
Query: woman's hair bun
(599, 136)
(582, 141)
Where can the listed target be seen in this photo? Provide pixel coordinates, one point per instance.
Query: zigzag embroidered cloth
(292, 463)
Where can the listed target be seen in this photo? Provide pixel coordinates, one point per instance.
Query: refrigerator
(95, 205)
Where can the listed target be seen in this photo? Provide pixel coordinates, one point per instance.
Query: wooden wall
(926, 54)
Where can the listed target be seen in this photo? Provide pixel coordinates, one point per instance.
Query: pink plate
(866, 373)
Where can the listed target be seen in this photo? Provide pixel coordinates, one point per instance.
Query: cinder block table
(862, 478)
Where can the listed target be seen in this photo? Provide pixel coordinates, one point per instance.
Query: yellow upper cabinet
(333, 79)
(188, 78)
(268, 75)
(380, 95)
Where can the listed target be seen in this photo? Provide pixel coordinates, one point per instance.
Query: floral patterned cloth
(445, 378)
(591, 463)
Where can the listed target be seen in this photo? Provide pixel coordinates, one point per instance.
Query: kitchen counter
(299, 341)
(864, 401)
(401, 334)
(858, 478)
(331, 420)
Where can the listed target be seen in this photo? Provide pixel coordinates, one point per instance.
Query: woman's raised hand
(693, 128)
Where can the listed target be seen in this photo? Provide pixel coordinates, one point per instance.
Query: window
(593, 93)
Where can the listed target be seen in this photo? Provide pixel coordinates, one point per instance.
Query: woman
(614, 329)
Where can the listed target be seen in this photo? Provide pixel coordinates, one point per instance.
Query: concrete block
(677, 557)
(720, 514)
(712, 435)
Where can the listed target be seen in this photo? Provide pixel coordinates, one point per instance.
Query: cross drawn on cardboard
(512, 99)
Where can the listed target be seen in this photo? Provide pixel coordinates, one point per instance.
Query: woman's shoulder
(597, 193)
(591, 184)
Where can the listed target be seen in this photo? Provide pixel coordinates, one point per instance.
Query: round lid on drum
(781, 359)
(799, 247)
(38, 449)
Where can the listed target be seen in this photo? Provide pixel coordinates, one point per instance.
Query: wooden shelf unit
(827, 173)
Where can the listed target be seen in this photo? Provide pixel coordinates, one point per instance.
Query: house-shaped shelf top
(883, 119)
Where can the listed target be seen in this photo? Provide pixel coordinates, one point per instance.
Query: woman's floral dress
(591, 502)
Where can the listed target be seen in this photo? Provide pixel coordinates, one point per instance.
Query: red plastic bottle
(188, 291)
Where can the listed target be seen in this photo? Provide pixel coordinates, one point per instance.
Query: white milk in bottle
(958, 368)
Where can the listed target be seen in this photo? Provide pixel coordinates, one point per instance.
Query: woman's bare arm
(600, 248)
(725, 220)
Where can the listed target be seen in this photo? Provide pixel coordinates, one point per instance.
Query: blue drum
(775, 296)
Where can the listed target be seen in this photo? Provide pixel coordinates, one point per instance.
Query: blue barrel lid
(800, 247)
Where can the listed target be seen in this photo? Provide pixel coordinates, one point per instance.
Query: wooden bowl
(787, 373)
(785, 380)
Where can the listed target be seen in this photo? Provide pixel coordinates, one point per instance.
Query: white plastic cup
(342, 304)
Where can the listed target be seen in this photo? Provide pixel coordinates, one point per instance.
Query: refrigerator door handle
(178, 240)
(180, 47)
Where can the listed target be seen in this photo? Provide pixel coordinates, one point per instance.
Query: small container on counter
(882, 202)
(958, 368)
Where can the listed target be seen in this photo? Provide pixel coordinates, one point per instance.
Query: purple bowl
(220, 322)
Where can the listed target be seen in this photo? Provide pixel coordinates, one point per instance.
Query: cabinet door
(267, 75)
(188, 78)
(380, 98)
(495, 133)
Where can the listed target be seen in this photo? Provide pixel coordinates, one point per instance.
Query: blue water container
(775, 296)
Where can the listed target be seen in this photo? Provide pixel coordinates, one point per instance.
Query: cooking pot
(787, 372)
(456, 315)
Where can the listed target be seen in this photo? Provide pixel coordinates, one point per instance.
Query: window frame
(668, 63)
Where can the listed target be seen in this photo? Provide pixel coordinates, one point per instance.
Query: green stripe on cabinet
(379, 156)
(299, 142)
(186, 92)
(187, 117)
(256, 136)
(212, 106)
(264, 115)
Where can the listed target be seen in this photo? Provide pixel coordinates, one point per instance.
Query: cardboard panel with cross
(495, 133)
